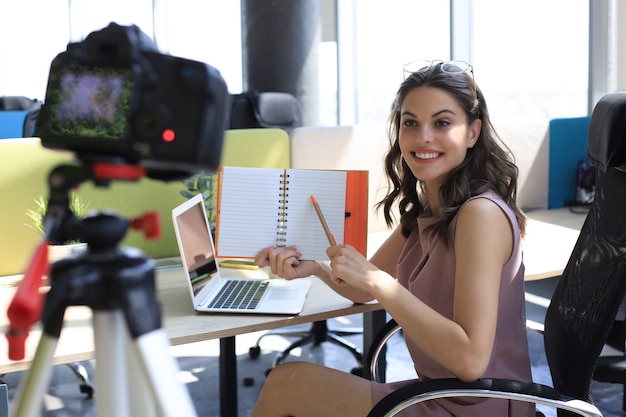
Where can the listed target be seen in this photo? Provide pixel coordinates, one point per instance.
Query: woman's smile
(427, 155)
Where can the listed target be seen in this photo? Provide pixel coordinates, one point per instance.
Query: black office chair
(585, 302)
(268, 109)
(611, 368)
(317, 333)
(30, 120)
(612, 154)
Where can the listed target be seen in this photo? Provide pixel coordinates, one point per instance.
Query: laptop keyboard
(240, 295)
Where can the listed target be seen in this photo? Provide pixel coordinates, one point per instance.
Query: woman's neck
(433, 201)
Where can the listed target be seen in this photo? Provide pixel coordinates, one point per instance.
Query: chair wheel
(87, 390)
(254, 352)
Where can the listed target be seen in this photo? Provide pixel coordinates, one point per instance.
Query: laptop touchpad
(282, 294)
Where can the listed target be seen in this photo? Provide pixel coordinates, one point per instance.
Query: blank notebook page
(253, 213)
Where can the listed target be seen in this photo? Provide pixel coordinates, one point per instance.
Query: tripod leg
(161, 370)
(110, 373)
(32, 388)
(141, 403)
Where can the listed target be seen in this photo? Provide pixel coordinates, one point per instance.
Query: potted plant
(55, 252)
(205, 184)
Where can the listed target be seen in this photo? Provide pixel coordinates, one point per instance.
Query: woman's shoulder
(481, 209)
(484, 198)
(487, 206)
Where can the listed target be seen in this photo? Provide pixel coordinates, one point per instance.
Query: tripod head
(102, 231)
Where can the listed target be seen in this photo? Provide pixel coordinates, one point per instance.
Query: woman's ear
(474, 132)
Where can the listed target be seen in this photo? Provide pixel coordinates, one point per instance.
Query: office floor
(199, 368)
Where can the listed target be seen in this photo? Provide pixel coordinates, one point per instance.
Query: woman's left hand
(349, 267)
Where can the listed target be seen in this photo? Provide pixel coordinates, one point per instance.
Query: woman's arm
(284, 262)
(483, 243)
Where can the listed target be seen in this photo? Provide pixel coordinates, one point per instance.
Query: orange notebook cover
(260, 207)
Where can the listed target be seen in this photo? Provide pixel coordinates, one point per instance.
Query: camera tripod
(118, 285)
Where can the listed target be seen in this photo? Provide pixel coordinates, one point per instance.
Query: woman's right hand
(285, 263)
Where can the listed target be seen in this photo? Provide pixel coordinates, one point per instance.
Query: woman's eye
(442, 123)
(409, 123)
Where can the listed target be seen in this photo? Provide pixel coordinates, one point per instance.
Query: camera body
(113, 97)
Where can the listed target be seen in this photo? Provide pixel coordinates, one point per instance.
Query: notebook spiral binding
(281, 226)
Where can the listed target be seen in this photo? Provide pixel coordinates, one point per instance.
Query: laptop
(215, 293)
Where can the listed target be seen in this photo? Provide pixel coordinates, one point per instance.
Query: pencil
(329, 235)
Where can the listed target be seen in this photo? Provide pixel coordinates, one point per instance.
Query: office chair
(265, 109)
(585, 302)
(611, 368)
(317, 334)
(30, 120)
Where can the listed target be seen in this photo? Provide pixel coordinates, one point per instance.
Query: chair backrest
(265, 110)
(18, 116)
(256, 148)
(17, 103)
(25, 166)
(30, 120)
(593, 284)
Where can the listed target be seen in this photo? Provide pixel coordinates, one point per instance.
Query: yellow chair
(24, 169)
(256, 148)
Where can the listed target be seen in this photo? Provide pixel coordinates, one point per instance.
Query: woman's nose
(424, 134)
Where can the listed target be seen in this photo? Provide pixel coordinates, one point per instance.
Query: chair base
(317, 334)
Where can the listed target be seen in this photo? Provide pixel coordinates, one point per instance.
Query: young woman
(451, 273)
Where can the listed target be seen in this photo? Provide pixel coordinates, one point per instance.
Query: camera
(113, 97)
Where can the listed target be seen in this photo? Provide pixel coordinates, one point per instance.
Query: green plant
(205, 184)
(77, 205)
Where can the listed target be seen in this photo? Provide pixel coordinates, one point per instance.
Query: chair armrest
(377, 348)
(533, 326)
(485, 387)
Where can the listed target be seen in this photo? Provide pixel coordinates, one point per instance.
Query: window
(87, 16)
(33, 33)
(527, 62)
(210, 32)
(390, 34)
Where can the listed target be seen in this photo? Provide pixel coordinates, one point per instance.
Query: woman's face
(434, 134)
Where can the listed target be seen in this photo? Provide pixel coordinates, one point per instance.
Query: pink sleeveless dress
(426, 267)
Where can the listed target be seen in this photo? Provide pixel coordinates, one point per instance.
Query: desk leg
(372, 323)
(4, 399)
(228, 377)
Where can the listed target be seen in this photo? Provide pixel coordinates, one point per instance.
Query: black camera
(114, 97)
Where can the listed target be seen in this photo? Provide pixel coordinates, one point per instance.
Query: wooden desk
(180, 321)
(550, 239)
(551, 236)
(183, 325)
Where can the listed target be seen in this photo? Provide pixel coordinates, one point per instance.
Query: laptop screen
(196, 245)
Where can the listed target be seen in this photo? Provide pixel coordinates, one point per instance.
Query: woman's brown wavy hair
(488, 166)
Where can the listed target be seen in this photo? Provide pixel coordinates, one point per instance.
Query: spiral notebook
(212, 292)
(261, 207)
